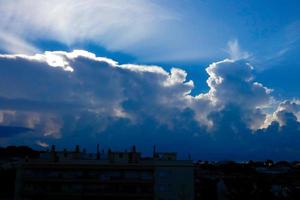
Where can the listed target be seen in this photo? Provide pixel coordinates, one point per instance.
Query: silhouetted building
(253, 180)
(9, 162)
(105, 175)
(52, 174)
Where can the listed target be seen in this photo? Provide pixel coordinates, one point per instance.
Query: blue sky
(189, 34)
(261, 38)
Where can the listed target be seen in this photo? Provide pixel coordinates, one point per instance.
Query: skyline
(216, 80)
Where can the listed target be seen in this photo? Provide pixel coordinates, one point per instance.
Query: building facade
(110, 175)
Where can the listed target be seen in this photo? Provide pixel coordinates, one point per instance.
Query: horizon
(144, 155)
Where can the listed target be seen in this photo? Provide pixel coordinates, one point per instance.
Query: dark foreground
(52, 174)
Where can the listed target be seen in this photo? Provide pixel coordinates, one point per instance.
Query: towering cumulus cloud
(77, 97)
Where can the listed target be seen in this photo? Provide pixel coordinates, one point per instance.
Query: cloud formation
(77, 97)
(235, 52)
(146, 30)
(77, 21)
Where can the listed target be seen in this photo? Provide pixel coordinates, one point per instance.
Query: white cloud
(78, 82)
(231, 83)
(285, 107)
(147, 30)
(85, 82)
(235, 52)
(12, 43)
(42, 144)
(115, 24)
(63, 96)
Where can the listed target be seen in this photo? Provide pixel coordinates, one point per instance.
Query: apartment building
(105, 175)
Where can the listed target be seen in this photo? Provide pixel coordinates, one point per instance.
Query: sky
(215, 79)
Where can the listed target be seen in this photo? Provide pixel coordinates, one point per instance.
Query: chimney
(77, 149)
(98, 152)
(133, 148)
(133, 154)
(53, 154)
(65, 153)
(77, 152)
(154, 151)
(189, 157)
(53, 148)
(109, 155)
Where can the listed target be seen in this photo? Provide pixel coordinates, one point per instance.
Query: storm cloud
(77, 97)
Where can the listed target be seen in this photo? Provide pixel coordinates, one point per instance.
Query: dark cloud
(8, 131)
(76, 97)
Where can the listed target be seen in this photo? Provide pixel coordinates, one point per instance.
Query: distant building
(29, 174)
(105, 175)
(252, 180)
